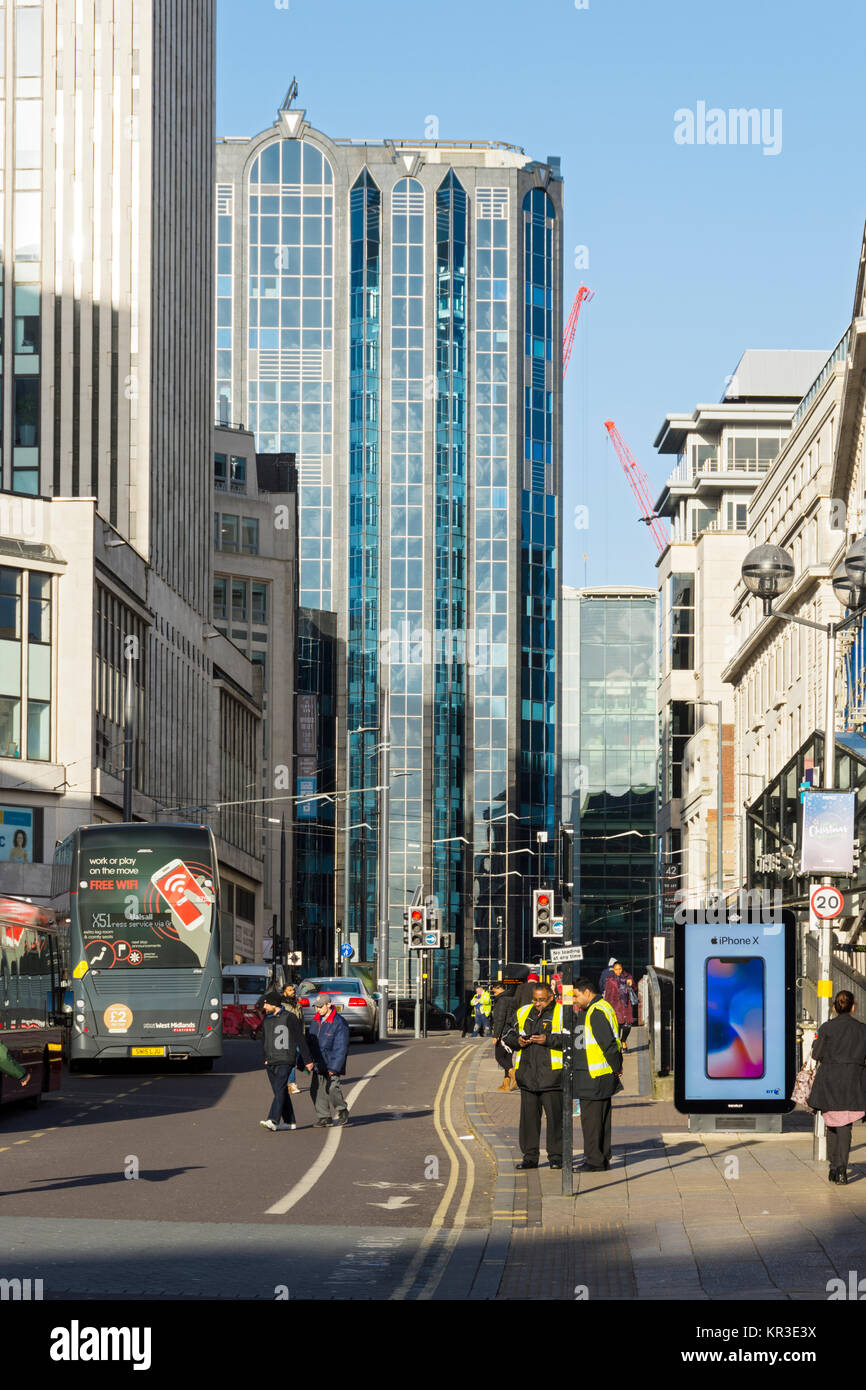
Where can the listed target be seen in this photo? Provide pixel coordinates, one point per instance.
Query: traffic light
(433, 933)
(417, 928)
(542, 912)
(405, 926)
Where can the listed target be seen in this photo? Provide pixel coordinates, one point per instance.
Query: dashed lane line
(326, 1157)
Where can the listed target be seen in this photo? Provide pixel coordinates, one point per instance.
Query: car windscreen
(247, 984)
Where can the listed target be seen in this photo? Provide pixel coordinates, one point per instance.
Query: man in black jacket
(503, 1006)
(282, 1038)
(535, 1035)
(597, 1069)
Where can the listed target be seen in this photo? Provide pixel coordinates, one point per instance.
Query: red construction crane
(639, 484)
(571, 327)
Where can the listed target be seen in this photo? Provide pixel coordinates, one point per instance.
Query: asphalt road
(144, 1183)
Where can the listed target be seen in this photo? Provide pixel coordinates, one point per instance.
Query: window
(705, 458)
(736, 516)
(249, 535)
(260, 603)
(682, 605)
(238, 474)
(219, 598)
(748, 454)
(229, 532)
(239, 601)
(245, 904)
(37, 704)
(703, 519)
(220, 472)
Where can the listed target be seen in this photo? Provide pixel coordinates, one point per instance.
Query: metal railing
(844, 976)
(839, 352)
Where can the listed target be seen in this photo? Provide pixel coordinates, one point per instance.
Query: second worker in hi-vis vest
(537, 1041)
(597, 1069)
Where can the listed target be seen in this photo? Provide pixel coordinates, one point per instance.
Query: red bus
(31, 997)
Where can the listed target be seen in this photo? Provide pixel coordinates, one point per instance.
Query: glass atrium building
(391, 313)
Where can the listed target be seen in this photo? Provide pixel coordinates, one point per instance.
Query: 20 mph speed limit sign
(826, 903)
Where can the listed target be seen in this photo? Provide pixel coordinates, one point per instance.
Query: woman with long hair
(839, 1088)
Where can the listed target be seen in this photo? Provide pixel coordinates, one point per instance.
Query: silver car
(351, 997)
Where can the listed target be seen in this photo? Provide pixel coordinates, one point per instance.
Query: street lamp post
(768, 572)
(365, 729)
(382, 959)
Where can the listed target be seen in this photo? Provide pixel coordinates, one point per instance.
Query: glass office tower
(609, 768)
(392, 314)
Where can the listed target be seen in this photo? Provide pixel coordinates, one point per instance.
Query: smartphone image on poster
(735, 1017)
(182, 892)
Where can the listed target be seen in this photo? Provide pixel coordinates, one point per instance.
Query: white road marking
(393, 1203)
(326, 1157)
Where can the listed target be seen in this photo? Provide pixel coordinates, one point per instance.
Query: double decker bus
(31, 999)
(142, 903)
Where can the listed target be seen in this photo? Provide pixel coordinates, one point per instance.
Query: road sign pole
(826, 905)
(568, 1068)
(424, 971)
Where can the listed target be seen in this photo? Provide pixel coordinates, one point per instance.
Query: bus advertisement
(31, 1019)
(142, 903)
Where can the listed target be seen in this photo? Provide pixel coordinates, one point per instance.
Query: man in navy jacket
(329, 1044)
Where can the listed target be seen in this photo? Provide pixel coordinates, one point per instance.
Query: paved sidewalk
(677, 1216)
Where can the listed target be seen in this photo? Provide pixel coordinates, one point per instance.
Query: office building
(391, 313)
(106, 444)
(724, 453)
(609, 769)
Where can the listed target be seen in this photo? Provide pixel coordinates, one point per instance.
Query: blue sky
(695, 252)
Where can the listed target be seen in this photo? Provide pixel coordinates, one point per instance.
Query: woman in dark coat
(839, 1088)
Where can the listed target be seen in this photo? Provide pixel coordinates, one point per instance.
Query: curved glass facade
(364, 549)
(538, 545)
(289, 350)
(449, 583)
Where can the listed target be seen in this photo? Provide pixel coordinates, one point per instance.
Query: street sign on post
(563, 953)
(347, 951)
(826, 902)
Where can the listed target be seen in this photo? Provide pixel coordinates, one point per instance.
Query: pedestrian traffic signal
(417, 928)
(542, 912)
(433, 932)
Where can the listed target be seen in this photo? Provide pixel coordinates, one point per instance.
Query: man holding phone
(597, 1071)
(537, 1041)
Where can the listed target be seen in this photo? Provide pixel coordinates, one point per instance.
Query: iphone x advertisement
(734, 1033)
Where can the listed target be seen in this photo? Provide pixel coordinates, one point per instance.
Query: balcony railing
(839, 353)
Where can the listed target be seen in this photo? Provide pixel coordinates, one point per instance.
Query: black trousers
(838, 1145)
(595, 1123)
(531, 1105)
(281, 1105)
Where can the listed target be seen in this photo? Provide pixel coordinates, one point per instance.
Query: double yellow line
(442, 1120)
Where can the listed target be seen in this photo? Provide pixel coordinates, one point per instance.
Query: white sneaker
(283, 1125)
(268, 1124)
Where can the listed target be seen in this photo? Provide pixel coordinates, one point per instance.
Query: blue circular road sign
(347, 951)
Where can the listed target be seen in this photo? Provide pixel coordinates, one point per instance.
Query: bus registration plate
(147, 1051)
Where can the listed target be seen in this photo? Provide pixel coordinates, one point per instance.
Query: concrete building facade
(813, 504)
(107, 219)
(724, 453)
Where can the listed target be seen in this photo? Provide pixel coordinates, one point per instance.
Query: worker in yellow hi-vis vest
(597, 1071)
(536, 1038)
